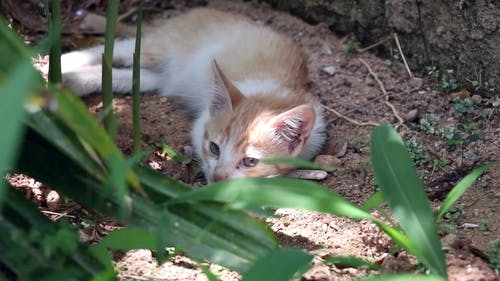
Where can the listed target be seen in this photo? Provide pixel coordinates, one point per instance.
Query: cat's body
(244, 83)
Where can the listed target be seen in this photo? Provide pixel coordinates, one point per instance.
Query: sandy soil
(351, 90)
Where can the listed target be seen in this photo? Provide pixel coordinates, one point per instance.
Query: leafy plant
(494, 253)
(428, 123)
(454, 212)
(351, 47)
(418, 152)
(463, 107)
(394, 56)
(444, 81)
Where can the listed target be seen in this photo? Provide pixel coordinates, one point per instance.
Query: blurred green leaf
(52, 249)
(285, 193)
(374, 201)
(179, 158)
(351, 261)
(14, 92)
(279, 265)
(130, 238)
(205, 231)
(404, 191)
(459, 189)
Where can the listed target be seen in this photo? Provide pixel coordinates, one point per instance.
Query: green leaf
(179, 158)
(14, 92)
(374, 201)
(205, 231)
(404, 191)
(279, 265)
(403, 277)
(130, 238)
(351, 261)
(208, 273)
(459, 189)
(37, 248)
(285, 193)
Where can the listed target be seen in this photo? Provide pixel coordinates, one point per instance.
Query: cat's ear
(293, 127)
(225, 95)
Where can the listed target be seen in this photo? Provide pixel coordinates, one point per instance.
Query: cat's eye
(250, 162)
(214, 149)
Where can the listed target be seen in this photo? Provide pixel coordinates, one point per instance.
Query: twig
(382, 41)
(59, 215)
(340, 115)
(394, 111)
(402, 55)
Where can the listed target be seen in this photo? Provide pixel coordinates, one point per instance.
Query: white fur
(249, 87)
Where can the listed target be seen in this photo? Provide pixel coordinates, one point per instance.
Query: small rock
(155, 165)
(416, 82)
(330, 70)
(53, 200)
(476, 99)
(328, 160)
(308, 174)
(326, 50)
(369, 82)
(469, 225)
(412, 115)
(334, 226)
(342, 151)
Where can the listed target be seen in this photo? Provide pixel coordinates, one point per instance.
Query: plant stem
(136, 83)
(55, 76)
(107, 61)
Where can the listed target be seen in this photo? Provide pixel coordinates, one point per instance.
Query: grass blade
(404, 191)
(459, 189)
(136, 83)
(55, 75)
(279, 265)
(107, 62)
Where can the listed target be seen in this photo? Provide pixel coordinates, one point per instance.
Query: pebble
(308, 174)
(476, 99)
(342, 151)
(328, 160)
(411, 115)
(330, 70)
(326, 50)
(469, 225)
(53, 200)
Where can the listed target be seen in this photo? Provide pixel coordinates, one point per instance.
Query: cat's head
(239, 132)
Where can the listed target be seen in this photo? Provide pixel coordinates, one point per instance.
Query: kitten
(244, 83)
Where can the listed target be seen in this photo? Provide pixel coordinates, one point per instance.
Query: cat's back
(243, 49)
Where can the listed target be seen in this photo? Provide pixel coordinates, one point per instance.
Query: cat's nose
(220, 177)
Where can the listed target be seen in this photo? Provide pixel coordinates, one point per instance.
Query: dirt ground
(342, 82)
